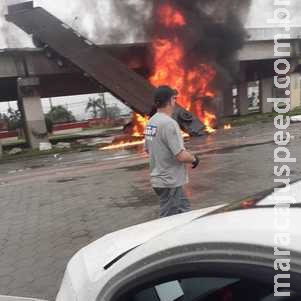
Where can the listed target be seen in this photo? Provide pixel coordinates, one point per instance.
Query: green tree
(49, 124)
(59, 114)
(97, 106)
(3, 117)
(13, 119)
(3, 120)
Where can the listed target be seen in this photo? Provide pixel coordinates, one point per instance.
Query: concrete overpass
(59, 77)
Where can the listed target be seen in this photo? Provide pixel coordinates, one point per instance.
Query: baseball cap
(163, 94)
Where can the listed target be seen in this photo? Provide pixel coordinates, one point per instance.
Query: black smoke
(10, 35)
(132, 19)
(125, 21)
(213, 34)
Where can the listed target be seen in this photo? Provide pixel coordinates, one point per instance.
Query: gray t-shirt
(163, 142)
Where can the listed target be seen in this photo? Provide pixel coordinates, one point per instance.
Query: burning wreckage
(193, 46)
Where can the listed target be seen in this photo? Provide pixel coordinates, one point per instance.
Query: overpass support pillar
(32, 113)
(266, 91)
(295, 90)
(243, 102)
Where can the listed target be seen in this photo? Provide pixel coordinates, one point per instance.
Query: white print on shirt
(150, 132)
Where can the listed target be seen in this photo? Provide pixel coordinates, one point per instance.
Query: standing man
(168, 156)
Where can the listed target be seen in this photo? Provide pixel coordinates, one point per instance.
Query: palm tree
(97, 106)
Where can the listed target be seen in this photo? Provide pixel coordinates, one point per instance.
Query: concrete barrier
(8, 136)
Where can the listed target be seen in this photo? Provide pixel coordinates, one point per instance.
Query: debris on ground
(95, 141)
(295, 119)
(15, 151)
(15, 171)
(58, 157)
(45, 146)
(63, 145)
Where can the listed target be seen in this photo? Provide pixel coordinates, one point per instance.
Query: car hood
(91, 262)
(9, 298)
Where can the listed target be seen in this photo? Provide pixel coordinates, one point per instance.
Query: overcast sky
(88, 16)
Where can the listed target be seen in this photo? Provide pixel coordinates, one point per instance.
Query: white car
(223, 253)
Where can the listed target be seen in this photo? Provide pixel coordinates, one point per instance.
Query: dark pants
(172, 201)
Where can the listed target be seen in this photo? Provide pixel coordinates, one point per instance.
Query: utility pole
(104, 105)
(50, 103)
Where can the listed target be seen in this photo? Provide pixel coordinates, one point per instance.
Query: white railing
(268, 33)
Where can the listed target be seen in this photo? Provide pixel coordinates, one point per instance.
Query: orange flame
(170, 17)
(227, 127)
(192, 83)
(128, 143)
(123, 144)
(139, 124)
(208, 120)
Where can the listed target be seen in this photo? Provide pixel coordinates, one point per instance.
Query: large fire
(169, 69)
(192, 83)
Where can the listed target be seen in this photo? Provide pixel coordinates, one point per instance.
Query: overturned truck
(99, 65)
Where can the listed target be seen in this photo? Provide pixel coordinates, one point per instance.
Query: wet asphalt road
(51, 207)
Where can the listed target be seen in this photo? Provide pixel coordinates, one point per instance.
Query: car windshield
(209, 289)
